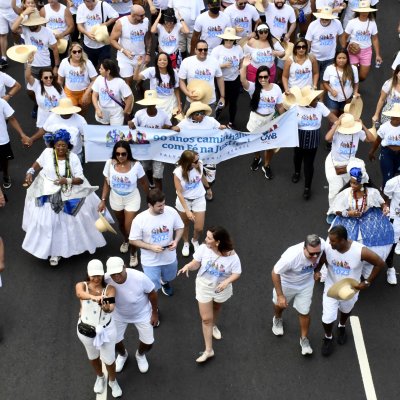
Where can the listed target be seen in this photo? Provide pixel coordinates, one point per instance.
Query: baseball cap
(95, 267)
(115, 265)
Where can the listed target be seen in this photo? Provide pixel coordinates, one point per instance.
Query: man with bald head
(132, 38)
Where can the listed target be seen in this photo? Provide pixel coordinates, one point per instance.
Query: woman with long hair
(218, 266)
(189, 182)
(340, 81)
(122, 173)
(77, 74)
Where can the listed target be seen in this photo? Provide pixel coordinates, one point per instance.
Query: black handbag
(86, 330)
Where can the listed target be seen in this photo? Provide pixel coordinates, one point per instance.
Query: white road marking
(363, 358)
(103, 396)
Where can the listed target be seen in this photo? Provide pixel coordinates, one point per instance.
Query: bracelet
(103, 199)
(345, 213)
(31, 171)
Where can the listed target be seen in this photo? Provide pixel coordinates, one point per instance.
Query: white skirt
(168, 104)
(49, 234)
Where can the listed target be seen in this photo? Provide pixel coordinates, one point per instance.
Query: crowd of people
(90, 58)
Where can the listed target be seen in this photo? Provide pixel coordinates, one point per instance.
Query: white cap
(95, 267)
(115, 265)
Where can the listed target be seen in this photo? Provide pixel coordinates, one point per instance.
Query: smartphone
(165, 247)
(109, 300)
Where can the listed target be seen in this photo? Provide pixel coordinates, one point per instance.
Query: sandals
(209, 195)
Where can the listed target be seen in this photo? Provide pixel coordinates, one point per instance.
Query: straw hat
(198, 106)
(355, 107)
(102, 225)
(325, 13)
(364, 6)
(344, 289)
(95, 268)
(62, 43)
(288, 47)
(292, 98)
(101, 34)
(177, 116)
(373, 129)
(200, 90)
(150, 99)
(348, 125)
(34, 19)
(65, 106)
(259, 6)
(307, 96)
(229, 34)
(115, 265)
(21, 53)
(394, 111)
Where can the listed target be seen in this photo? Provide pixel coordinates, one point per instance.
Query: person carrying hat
(96, 307)
(349, 10)
(344, 258)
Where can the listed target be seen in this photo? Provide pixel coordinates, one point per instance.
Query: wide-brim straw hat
(150, 99)
(288, 47)
(21, 52)
(291, 99)
(348, 125)
(394, 111)
(200, 90)
(308, 95)
(178, 116)
(325, 13)
(198, 106)
(259, 6)
(102, 225)
(229, 34)
(34, 19)
(364, 6)
(101, 34)
(355, 107)
(62, 43)
(344, 289)
(373, 130)
(65, 107)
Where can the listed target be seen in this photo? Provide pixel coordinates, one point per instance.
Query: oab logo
(269, 134)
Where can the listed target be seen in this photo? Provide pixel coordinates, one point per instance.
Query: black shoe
(255, 164)
(167, 289)
(3, 63)
(327, 347)
(6, 182)
(307, 193)
(296, 177)
(342, 335)
(267, 172)
(328, 146)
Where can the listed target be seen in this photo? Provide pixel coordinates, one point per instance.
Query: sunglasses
(76, 51)
(315, 254)
(241, 4)
(303, 46)
(48, 77)
(121, 154)
(262, 77)
(202, 50)
(263, 31)
(197, 113)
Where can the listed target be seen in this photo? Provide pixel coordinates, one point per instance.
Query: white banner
(213, 146)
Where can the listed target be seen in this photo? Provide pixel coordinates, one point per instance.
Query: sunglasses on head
(203, 49)
(120, 154)
(76, 51)
(265, 31)
(301, 46)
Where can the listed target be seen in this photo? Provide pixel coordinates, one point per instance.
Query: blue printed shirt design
(193, 184)
(309, 120)
(264, 56)
(341, 268)
(327, 40)
(214, 31)
(232, 59)
(243, 22)
(280, 22)
(164, 89)
(393, 140)
(55, 23)
(120, 184)
(169, 41)
(302, 73)
(37, 43)
(363, 36)
(203, 74)
(76, 76)
(93, 20)
(137, 36)
(160, 234)
(308, 269)
(215, 269)
(347, 148)
(104, 96)
(267, 103)
(50, 102)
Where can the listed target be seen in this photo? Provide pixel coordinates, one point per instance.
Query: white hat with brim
(355, 107)
(65, 107)
(21, 53)
(198, 106)
(115, 265)
(150, 99)
(364, 6)
(259, 6)
(308, 95)
(101, 34)
(95, 268)
(394, 111)
(200, 90)
(291, 99)
(288, 47)
(348, 125)
(325, 13)
(229, 34)
(34, 19)
(344, 289)
(102, 225)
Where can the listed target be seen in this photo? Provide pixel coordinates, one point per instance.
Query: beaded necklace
(363, 205)
(66, 189)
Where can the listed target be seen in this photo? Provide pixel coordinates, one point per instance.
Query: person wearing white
(396, 61)
(122, 7)
(7, 17)
(293, 279)
(6, 81)
(351, 5)
(337, 6)
(392, 191)
(242, 15)
(135, 303)
(281, 19)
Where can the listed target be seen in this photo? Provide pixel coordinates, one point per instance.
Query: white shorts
(156, 166)
(130, 202)
(382, 251)
(331, 306)
(205, 291)
(127, 67)
(302, 298)
(7, 17)
(106, 351)
(145, 330)
(195, 205)
(111, 116)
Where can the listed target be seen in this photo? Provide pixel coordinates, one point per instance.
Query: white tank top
(91, 312)
(56, 19)
(300, 74)
(260, 57)
(132, 37)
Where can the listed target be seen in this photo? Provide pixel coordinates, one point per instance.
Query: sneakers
(54, 261)
(295, 177)
(255, 164)
(277, 326)
(133, 261)
(3, 63)
(116, 391)
(342, 335)
(397, 248)
(391, 276)
(142, 362)
(306, 193)
(330, 218)
(120, 362)
(167, 289)
(204, 356)
(124, 247)
(6, 182)
(195, 244)
(305, 346)
(267, 172)
(327, 346)
(216, 333)
(100, 384)
(185, 249)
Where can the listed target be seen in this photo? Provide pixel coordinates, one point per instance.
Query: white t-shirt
(224, 55)
(216, 268)
(41, 40)
(76, 4)
(158, 230)
(163, 88)
(389, 134)
(123, 183)
(263, 56)
(116, 86)
(5, 81)
(320, 4)
(361, 32)
(295, 269)
(91, 18)
(242, 18)
(132, 302)
(268, 98)
(278, 19)
(396, 61)
(393, 96)
(208, 123)
(5, 112)
(169, 42)
(300, 74)
(210, 28)
(189, 10)
(146, 121)
(392, 190)
(192, 68)
(76, 79)
(344, 147)
(310, 118)
(193, 188)
(56, 19)
(121, 7)
(323, 39)
(331, 76)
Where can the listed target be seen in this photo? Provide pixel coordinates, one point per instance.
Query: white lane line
(103, 396)
(363, 358)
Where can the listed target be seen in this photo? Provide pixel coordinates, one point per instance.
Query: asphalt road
(42, 358)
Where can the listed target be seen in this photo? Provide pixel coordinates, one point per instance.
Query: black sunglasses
(121, 154)
(315, 254)
(76, 51)
(263, 76)
(303, 46)
(197, 113)
(263, 31)
(48, 77)
(205, 50)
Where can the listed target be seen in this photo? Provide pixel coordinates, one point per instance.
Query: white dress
(49, 233)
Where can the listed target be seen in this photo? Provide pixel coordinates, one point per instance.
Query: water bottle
(378, 64)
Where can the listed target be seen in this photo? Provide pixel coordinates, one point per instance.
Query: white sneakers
(185, 249)
(100, 384)
(133, 261)
(391, 276)
(142, 363)
(120, 362)
(116, 391)
(204, 356)
(216, 333)
(277, 326)
(397, 248)
(124, 247)
(305, 346)
(195, 244)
